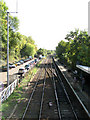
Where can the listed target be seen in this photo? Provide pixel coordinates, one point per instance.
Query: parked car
(21, 71)
(12, 65)
(40, 56)
(17, 63)
(4, 68)
(21, 61)
(32, 62)
(36, 60)
(30, 57)
(25, 60)
(27, 66)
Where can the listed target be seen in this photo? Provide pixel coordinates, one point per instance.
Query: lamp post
(8, 46)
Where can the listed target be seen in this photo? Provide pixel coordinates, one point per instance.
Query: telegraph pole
(8, 42)
(7, 48)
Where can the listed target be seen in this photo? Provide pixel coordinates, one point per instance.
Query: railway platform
(83, 95)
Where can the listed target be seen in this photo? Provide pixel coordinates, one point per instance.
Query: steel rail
(31, 96)
(77, 96)
(56, 96)
(42, 96)
(10, 117)
(32, 93)
(66, 93)
(41, 105)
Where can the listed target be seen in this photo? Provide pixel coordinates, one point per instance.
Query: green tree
(28, 50)
(40, 51)
(13, 27)
(61, 50)
(19, 45)
(76, 50)
(3, 27)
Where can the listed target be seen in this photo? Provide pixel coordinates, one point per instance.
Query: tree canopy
(19, 45)
(44, 52)
(76, 50)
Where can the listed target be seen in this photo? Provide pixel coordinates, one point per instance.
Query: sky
(49, 21)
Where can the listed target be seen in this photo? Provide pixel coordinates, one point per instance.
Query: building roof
(84, 68)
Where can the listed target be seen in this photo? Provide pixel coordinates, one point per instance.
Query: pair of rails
(56, 79)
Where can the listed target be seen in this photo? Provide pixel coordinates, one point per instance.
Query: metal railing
(8, 91)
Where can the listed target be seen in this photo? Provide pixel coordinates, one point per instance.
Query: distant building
(89, 18)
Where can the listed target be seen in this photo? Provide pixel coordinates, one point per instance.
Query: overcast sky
(48, 21)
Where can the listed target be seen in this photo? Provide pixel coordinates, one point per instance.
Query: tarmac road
(12, 73)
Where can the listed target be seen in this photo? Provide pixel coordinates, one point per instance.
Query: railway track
(49, 105)
(32, 85)
(51, 97)
(65, 107)
(39, 103)
(70, 106)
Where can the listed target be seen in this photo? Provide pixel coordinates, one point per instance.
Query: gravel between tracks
(17, 111)
(34, 107)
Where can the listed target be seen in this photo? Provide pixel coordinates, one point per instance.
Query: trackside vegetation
(76, 50)
(19, 45)
(20, 94)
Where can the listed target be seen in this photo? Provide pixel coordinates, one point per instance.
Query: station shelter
(84, 71)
